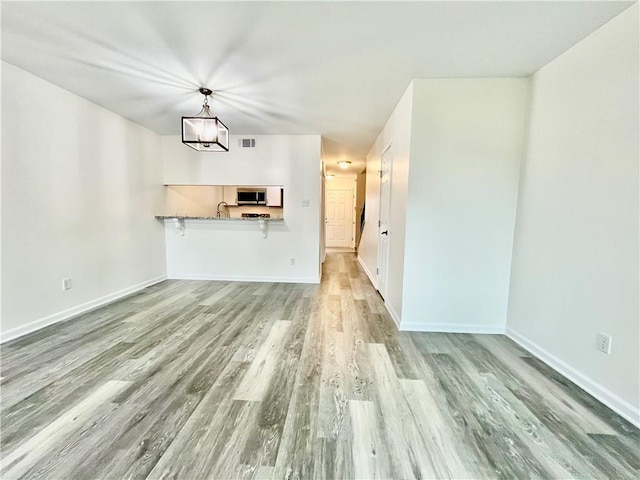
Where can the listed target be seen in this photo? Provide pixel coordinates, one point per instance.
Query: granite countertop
(227, 219)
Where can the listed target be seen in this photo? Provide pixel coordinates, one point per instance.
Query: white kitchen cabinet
(230, 194)
(274, 196)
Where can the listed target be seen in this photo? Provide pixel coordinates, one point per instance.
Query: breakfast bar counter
(261, 220)
(243, 219)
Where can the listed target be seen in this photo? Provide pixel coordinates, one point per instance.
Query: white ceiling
(333, 68)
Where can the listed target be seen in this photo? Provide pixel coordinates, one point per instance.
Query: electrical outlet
(66, 284)
(603, 343)
(292, 261)
(305, 203)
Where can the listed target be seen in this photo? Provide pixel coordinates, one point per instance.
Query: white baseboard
(16, 332)
(240, 278)
(394, 315)
(611, 400)
(450, 328)
(372, 279)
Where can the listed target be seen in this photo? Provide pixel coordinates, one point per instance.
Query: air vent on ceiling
(247, 142)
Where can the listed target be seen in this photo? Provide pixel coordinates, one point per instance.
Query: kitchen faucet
(218, 211)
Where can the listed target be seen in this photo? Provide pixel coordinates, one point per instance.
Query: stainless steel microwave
(253, 196)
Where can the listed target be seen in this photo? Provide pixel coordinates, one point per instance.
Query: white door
(383, 230)
(339, 218)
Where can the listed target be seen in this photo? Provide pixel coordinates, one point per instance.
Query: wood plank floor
(194, 379)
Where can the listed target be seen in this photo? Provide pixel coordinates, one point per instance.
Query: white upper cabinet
(274, 196)
(230, 194)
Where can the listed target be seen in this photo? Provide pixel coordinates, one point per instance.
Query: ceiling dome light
(344, 164)
(204, 132)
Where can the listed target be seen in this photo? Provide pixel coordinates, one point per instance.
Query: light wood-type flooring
(224, 380)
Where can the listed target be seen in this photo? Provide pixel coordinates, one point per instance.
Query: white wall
(237, 251)
(396, 132)
(342, 182)
(466, 150)
(575, 263)
(80, 186)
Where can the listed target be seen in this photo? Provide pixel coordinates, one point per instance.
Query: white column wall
(396, 133)
(575, 262)
(466, 150)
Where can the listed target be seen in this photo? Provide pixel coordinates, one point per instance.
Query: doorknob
(386, 232)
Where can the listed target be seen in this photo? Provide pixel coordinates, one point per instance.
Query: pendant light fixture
(204, 132)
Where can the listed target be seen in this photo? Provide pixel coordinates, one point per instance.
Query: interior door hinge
(378, 223)
(377, 271)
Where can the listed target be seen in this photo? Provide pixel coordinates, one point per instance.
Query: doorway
(339, 221)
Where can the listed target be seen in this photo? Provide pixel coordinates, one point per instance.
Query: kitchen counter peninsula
(261, 221)
(242, 219)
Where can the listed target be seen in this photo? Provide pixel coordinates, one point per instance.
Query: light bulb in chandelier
(207, 134)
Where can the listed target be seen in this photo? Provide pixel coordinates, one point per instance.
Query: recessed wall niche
(224, 201)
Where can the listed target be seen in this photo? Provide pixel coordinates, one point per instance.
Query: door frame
(383, 253)
(352, 194)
